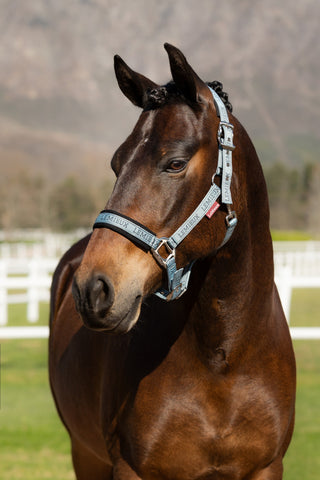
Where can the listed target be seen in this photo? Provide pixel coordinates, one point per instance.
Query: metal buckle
(221, 139)
(175, 293)
(171, 252)
(231, 219)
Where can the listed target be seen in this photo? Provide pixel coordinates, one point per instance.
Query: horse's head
(164, 171)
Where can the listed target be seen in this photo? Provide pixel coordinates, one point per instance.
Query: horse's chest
(184, 431)
(171, 436)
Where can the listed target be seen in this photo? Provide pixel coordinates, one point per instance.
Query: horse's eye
(176, 166)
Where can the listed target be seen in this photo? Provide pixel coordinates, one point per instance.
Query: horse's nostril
(94, 296)
(101, 293)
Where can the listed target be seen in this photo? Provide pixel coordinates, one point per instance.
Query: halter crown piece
(139, 234)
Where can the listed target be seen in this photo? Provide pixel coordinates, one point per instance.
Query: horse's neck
(231, 305)
(233, 291)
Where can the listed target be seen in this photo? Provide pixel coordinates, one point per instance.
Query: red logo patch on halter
(212, 210)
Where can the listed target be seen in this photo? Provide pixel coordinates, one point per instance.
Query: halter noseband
(139, 234)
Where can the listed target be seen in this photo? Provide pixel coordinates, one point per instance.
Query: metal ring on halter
(171, 251)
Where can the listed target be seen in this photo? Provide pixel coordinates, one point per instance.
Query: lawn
(35, 446)
(303, 457)
(305, 308)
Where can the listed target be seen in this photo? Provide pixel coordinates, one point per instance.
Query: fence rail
(296, 269)
(27, 280)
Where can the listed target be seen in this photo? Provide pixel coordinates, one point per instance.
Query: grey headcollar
(136, 232)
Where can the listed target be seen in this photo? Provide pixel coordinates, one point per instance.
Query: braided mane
(156, 97)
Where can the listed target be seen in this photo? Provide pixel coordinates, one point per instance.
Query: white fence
(27, 280)
(296, 270)
(37, 244)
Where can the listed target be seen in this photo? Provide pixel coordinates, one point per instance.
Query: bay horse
(169, 354)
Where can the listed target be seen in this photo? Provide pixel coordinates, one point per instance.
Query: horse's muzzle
(95, 302)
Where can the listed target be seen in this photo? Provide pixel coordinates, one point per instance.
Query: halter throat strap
(147, 240)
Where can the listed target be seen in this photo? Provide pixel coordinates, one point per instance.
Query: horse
(169, 353)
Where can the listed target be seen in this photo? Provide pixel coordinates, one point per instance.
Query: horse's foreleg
(122, 471)
(87, 465)
(274, 471)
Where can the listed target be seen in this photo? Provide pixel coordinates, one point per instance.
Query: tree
(23, 201)
(287, 197)
(313, 199)
(71, 206)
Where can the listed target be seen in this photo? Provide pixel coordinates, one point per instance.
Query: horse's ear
(186, 79)
(132, 84)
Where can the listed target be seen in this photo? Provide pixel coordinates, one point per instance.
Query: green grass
(290, 236)
(35, 446)
(303, 460)
(17, 315)
(305, 308)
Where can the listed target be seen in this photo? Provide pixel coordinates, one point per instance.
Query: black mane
(156, 97)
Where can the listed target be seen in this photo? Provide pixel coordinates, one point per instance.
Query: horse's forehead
(168, 123)
(177, 115)
(172, 127)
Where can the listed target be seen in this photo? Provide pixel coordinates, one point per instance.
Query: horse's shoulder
(64, 272)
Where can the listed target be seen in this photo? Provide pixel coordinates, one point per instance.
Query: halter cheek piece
(147, 240)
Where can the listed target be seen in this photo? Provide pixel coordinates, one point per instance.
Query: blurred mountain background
(62, 113)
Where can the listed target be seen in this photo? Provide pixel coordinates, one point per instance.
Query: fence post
(33, 292)
(285, 289)
(3, 293)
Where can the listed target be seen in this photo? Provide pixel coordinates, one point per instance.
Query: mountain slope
(56, 70)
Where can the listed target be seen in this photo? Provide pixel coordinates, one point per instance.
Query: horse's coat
(199, 388)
